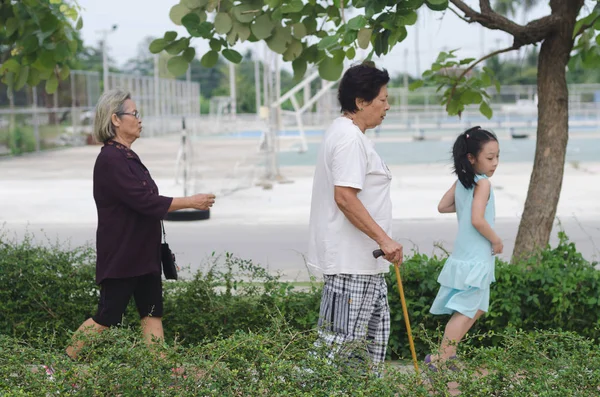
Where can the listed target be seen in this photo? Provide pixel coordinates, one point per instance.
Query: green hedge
(277, 362)
(50, 290)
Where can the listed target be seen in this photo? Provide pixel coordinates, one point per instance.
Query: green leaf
(241, 31)
(49, 23)
(64, 72)
(364, 38)
(232, 55)
(408, 19)
(210, 59)
(299, 30)
(357, 23)
(294, 50)
(469, 97)
(262, 27)
(189, 54)
(485, 109)
(437, 5)
(330, 70)
(453, 107)
(178, 11)
(11, 26)
(415, 85)
(73, 45)
(215, 45)
(62, 52)
(381, 44)
(398, 36)
(177, 66)
(292, 6)
(79, 23)
(339, 55)
(30, 44)
(244, 13)
(51, 84)
(223, 23)
(34, 77)
(299, 66)
(191, 21)
(11, 65)
(280, 38)
(170, 36)
(191, 4)
(486, 80)
(177, 46)
(351, 53)
(158, 45)
(311, 24)
(22, 78)
(328, 42)
(203, 30)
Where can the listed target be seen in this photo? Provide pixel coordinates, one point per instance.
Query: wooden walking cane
(377, 253)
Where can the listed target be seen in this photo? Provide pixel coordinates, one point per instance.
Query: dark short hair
(469, 142)
(362, 81)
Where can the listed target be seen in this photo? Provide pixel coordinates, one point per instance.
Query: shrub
(278, 362)
(51, 290)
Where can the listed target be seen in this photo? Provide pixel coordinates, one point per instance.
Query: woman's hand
(202, 201)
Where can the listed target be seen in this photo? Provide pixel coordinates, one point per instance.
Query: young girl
(467, 274)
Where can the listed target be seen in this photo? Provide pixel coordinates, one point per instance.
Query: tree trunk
(552, 133)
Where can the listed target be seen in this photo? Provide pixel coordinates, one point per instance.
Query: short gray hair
(109, 103)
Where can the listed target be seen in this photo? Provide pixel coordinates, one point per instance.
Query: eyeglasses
(135, 114)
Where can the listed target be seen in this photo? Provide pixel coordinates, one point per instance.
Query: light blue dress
(467, 274)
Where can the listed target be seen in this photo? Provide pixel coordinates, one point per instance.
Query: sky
(434, 32)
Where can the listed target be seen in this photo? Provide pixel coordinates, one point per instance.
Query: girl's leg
(456, 329)
(77, 344)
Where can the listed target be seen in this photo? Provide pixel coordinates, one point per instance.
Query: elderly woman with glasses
(130, 210)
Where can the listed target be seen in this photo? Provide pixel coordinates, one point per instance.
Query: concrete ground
(50, 195)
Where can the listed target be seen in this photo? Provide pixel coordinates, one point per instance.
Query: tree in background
(320, 33)
(37, 39)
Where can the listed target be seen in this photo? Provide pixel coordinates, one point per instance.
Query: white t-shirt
(347, 158)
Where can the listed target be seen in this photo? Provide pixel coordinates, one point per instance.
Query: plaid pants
(354, 308)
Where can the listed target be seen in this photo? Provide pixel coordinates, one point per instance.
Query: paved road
(280, 247)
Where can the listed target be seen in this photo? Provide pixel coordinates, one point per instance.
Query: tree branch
(467, 70)
(488, 56)
(458, 15)
(535, 31)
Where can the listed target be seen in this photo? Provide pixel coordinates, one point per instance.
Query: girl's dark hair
(362, 81)
(469, 142)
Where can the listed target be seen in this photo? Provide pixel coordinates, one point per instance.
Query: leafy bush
(21, 140)
(44, 288)
(280, 361)
(558, 290)
(51, 290)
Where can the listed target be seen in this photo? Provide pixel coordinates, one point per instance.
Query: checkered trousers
(354, 308)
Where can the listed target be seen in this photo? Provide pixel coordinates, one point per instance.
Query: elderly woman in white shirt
(351, 216)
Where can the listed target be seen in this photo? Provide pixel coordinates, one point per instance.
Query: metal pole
(232, 89)
(36, 129)
(156, 94)
(104, 63)
(257, 85)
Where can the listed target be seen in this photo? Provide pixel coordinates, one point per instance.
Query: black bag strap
(162, 224)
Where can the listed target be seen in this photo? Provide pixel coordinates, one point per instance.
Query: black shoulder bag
(167, 258)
